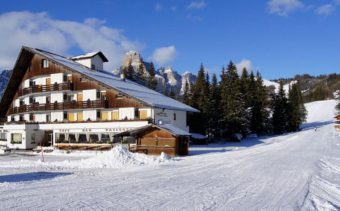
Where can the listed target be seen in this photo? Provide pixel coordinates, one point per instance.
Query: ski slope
(296, 171)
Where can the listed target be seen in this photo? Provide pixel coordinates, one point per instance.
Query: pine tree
(186, 93)
(197, 121)
(296, 109)
(214, 99)
(130, 72)
(279, 109)
(140, 77)
(151, 80)
(258, 102)
(233, 107)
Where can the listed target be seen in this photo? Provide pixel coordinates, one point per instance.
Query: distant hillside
(316, 88)
(4, 77)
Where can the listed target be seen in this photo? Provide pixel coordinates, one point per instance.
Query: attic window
(44, 63)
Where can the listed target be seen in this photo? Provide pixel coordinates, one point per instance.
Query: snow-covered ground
(296, 171)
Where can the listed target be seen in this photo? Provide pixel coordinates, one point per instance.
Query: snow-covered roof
(90, 55)
(168, 127)
(130, 88)
(174, 130)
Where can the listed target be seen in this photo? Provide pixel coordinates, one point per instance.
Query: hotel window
(21, 118)
(82, 138)
(3, 137)
(72, 138)
(65, 115)
(136, 113)
(60, 138)
(31, 117)
(98, 114)
(94, 138)
(65, 78)
(44, 63)
(16, 138)
(98, 94)
(105, 138)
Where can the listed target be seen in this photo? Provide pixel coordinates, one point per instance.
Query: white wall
(16, 103)
(26, 100)
(16, 117)
(40, 117)
(85, 62)
(90, 114)
(9, 118)
(59, 116)
(98, 62)
(89, 94)
(40, 99)
(40, 81)
(27, 83)
(167, 117)
(27, 117)
(128, 113)
(57, 78)
(57, 97)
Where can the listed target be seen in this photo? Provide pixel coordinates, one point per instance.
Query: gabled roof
(90, 55)
(127, 87)
(167, 127)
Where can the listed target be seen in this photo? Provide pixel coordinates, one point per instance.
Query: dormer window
(44, 63)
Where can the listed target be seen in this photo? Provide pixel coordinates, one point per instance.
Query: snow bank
(118, 157)
(320, 111)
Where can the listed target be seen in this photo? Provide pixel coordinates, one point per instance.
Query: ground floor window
(16, 138)
(3, 137)
(86, 138)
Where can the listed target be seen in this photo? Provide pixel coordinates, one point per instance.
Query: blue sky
(280, 38)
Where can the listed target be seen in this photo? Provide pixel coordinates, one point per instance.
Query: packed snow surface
(295, 171)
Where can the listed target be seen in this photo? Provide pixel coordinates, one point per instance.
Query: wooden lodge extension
(72, 103)
(153, 139)
(337, 122)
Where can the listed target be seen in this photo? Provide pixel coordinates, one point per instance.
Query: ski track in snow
(296, 171)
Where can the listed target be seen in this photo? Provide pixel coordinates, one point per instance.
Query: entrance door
(183, 145)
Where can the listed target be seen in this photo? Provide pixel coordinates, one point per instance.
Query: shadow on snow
(32, 176)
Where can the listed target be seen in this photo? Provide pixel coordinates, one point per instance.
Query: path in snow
(289, 172)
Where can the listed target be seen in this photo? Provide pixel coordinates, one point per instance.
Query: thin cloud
(158, 7)
(325, 10)
(60, 36)
(164, 55)
(284, 7)
(197, 5)
(244, 63)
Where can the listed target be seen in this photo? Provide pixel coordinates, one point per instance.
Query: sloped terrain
(296, 171)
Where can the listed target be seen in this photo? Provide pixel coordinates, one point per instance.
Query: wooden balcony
(46, 88)
(59, 106)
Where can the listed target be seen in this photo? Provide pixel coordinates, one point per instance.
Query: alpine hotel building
(72, 102)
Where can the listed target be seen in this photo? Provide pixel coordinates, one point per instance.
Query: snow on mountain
(187, 77)
(276, 85)
(171, 80)
(4, 77)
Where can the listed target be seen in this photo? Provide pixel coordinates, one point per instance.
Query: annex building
(71, 102)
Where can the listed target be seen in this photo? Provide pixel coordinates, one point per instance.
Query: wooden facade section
(154, 140)
(30, 65)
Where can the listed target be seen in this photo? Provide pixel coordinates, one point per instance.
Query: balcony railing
(60, 106)
(46, 88)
